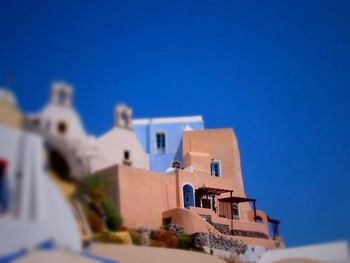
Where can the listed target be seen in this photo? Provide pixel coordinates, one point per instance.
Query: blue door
(188, 195)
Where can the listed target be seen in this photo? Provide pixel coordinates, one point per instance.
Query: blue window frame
(215, 168)
(160, 142)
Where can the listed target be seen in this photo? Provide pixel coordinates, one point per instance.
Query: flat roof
(184, 119)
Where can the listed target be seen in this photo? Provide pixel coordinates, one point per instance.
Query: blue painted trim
(100, 259)
(46, 245)
(13, 256)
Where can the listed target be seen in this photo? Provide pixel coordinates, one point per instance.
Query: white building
(33, 208)
(120, 145)
(69, 145)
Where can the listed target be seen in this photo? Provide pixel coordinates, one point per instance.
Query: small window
(215, 168)
(126, 155)
(176, 164)
(62, 127)
(235, 211)
(127, 160)
(160, 142)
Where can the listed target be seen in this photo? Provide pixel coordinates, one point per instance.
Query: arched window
(62, 127)
(188, 197)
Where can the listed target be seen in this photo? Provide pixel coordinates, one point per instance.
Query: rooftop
(186, 119)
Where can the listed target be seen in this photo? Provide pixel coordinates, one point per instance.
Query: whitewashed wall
(38, 210)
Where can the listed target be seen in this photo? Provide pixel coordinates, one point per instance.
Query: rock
(144, 234)
(177, 230)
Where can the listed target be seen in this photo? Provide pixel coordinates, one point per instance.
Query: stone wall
(222, 228)
(244, 233)
(177, 230)
(218, 242)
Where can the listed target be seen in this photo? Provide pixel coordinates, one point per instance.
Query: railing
(236, 227)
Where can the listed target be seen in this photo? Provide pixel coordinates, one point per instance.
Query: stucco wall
(220, 144)
(192, 223)
(141, 195)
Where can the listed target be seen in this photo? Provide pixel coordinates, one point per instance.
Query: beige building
(208, 197)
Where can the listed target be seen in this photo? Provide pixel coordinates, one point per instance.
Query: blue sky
(275, 71)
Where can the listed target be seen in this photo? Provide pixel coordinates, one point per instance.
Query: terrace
(225, 216)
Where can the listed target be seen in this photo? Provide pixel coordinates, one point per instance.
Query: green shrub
(107, 237)
(113, 219)
(184, 241)
(93, 186)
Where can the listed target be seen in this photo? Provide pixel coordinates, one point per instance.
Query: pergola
(212, 191)
(236, 199)
(232, 199)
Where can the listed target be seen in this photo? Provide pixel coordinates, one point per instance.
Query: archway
(188, 197)
(59, 165)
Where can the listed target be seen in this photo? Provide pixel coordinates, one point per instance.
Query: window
(176, 164)
(235, 211)
(126, 155)
(207, 203)
(127, 160)
(160, 142)
(215, 168)
(62, 127)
